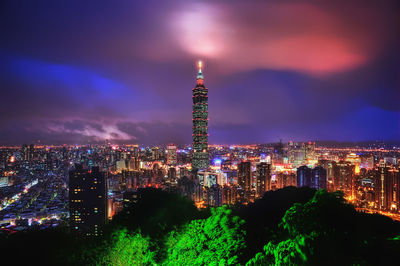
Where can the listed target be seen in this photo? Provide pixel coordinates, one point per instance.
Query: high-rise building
(183, 171)
(229, 194)
(200, 157)
(172, 155)
(314, 178)
(31, 155)
(133, 163)
(394, 187)
(303, 176)
(329, 168)
(318, 178)
(296, 154)
(285, 180)
(244, 176)
(387, 184)
(155, 153)
(120, 165)
(309, 151)
(87, 200)
(214, 195)
(172, 174)
(343, 177)
(263, 177)
(24, 152)
(209, 179)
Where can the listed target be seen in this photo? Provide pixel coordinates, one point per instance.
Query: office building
(172, 155)
(244, 176)
(263, 177)
(318, 178)
(343, 177)
(387, 185)
(87, 200)
(303, 176)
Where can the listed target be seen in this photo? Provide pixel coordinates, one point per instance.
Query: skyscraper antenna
(200, 69)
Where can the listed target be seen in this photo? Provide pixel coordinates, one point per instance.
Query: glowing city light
(357, 169)
(217, 161)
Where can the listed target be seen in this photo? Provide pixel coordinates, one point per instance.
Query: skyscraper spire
(200, 70)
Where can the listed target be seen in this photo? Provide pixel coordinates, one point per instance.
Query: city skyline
(200, 132)
(75, 73)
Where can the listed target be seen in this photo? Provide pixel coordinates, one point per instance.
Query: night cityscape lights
(86, 188)
(110, 156)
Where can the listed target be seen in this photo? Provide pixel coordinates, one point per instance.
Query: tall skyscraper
(309, 151)
(303, 176)
(318, 178)
(244, 176)
(263, 178)
(24, 152)
(286, 180)
(31, 152)
(87, 201)
(387, 184)
(155, 153)
(172, 155)
(172, 174)
(343, 177)
(200, 159)
(315, 178)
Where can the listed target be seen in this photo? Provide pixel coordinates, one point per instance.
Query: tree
(217, 240)
(325, 213)
(264, 215)
(128, 249)
(296, 251)
(156, 213)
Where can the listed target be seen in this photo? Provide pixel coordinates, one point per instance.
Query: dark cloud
(16, 133)
(76, 71)
(157, 132)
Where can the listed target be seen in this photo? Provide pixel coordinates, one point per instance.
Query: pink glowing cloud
(96, 132)
(298, 37)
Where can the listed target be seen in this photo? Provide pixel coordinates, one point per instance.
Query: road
(394, 216)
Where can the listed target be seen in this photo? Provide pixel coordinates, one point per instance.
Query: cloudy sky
(84, 71)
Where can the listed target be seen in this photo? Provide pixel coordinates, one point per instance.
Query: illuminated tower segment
(200, 159)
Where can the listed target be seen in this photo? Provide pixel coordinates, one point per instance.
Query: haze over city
(76, 72)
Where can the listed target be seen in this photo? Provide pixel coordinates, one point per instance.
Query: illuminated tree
(295, 251)
(217, 240)
(128, 249)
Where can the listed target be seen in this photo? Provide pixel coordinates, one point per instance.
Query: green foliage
(156, 213)
(264, 215)
(263, 258)
(217, 240)
(128, 249)
(323, 213)
(166, 229)
(295, 251)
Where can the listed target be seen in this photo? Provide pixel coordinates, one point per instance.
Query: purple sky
(84, 71)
